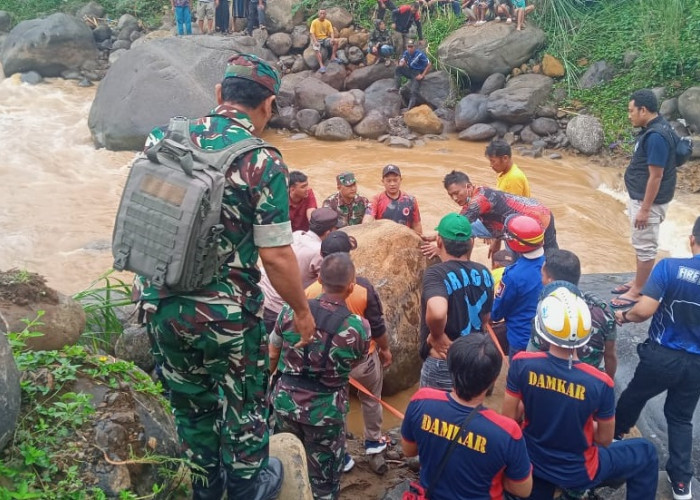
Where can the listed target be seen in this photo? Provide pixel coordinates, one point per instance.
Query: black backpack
(682, 147)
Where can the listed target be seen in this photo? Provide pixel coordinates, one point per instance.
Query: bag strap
(447, 455)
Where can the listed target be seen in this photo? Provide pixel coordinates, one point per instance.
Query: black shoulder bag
(415, 489)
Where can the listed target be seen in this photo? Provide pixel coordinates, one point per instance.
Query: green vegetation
(42, 461)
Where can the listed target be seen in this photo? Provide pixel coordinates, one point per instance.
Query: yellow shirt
(497, 275)
(321, 29)
(513, 182)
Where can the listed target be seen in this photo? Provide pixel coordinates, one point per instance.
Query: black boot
(210, 489)
(266, 485)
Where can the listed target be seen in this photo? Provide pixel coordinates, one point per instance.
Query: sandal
(620, 289)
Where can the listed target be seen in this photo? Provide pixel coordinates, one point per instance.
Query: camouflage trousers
(217, 373)
(325, 454)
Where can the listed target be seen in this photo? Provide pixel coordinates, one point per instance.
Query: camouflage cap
(346, 179)
(253, 68)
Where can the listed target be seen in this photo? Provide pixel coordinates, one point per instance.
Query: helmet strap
(571, 358)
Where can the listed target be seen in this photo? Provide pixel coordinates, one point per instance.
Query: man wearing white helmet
(568, 410)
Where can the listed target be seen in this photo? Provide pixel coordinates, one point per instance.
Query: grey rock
(85, 82)
(311, 93)
(544, 126)
(299, 137)
(355, 55)
(378, 97)
(334, 129)
(299, 64)
(659, 93)
(105, 44)
(309, 56)
(509, 137)
(71, 74)
(285, 118)
(496, 81)
(629, 57)
(127, 21)
(547, 112)
(307, 118)
(112, 479)
(585, 133)
(528, 136)
(599, 72)
(101, 33)
(110, 435)
(168, 77)
(90, 9)
(31, 77)
(279, 17)
(539, 144)
(520, 99)
(501, 127)
(436, 89)
(554, 156)
(689, 108)
(289, 82)
(478, 132)
(9, 392)
(384, 137)
(300, 37)
(121, 44)
(363, 77)
(135, 35)
(339, 17)
(135, 345)
(471, 109)
(5, 21)
(126, 31)
(669, 108)
(47, 46)
(92, 76)
(348, 105)
(516, 128)
(340, 54)
(115, 55)
(493, 48)
(334, 75)
(279, 43)
(400, 142)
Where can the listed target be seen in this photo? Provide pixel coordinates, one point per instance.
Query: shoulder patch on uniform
(500, 290)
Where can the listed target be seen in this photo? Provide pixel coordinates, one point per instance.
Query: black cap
(323, 219)
(338, 241)
(391, 169)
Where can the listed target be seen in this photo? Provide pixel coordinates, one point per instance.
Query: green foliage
(436, 27)
(99, 301)
(42, 460)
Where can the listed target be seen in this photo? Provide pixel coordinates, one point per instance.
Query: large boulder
(388, 255)
(300, 37)
(134, 345)
(436, 89)
(493, 48)
(334, 129)
(599, 72)
(9, 392)
(5, 21)
(279, 43)
(478, 132)
(290, 451)
(311, 93)
(48, 46)
(544, 126)
(689, 108)
(348, 105)
(307, 118)
(23, 295)
(339, 17)
(585, 133)
(309, 56)
(278, 16)
(289, 83)
(355, 55)
(519, 100)
(472, 109)
(160, 79)
(423, 120)
(372, 126)
(334, 75)
(378, 97)
(496, 81)
(363, 77)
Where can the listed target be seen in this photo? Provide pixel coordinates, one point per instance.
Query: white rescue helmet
(563, 319)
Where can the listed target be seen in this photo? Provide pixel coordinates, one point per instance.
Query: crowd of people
(235, 350)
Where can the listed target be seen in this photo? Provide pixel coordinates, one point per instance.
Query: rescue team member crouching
(490, 455)
(211, 343)
(311, 396)
(569, 410)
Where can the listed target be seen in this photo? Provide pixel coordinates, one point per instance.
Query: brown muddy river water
(58, 195)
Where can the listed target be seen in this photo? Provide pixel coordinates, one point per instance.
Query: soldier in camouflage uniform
(563, 268)
(351, 207)
(211, 343)
(310, 397)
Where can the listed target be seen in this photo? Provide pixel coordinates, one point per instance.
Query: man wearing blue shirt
(414, 65)
(669, 360)
(650, 180)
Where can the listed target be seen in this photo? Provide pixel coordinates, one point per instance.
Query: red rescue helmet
(522, 233)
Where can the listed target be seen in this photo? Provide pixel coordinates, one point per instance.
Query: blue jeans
(479, 230)
(255, 13)
(435, 374)
(634, 460)
(677, 372)
(183, 19)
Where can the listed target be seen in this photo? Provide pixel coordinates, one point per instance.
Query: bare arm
(642, 311)
(418, 228)
(367, 218)
(384, 351)
(282, 269)
(604, 432)
(512, 407)
(521, 489)
(652, 189)
(610, 358)
(409, 449)
(436, 320)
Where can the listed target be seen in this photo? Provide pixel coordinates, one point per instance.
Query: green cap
(253, 68)
(346, 179)
(454, 227)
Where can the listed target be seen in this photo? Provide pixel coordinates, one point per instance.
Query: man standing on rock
(456, 300)
(302, 201)
(669, 360)
(404, 17)
(414, 65)
(323, 37)
(650, 180)
(394, 204)
(206, 9)
(352, 208)
(211, 343)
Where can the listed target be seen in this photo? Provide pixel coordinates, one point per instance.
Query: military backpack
(168, 226)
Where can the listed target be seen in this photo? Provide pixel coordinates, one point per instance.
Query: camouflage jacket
(256, 203)
(603, 329)
(348, 346)
(352, 214)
